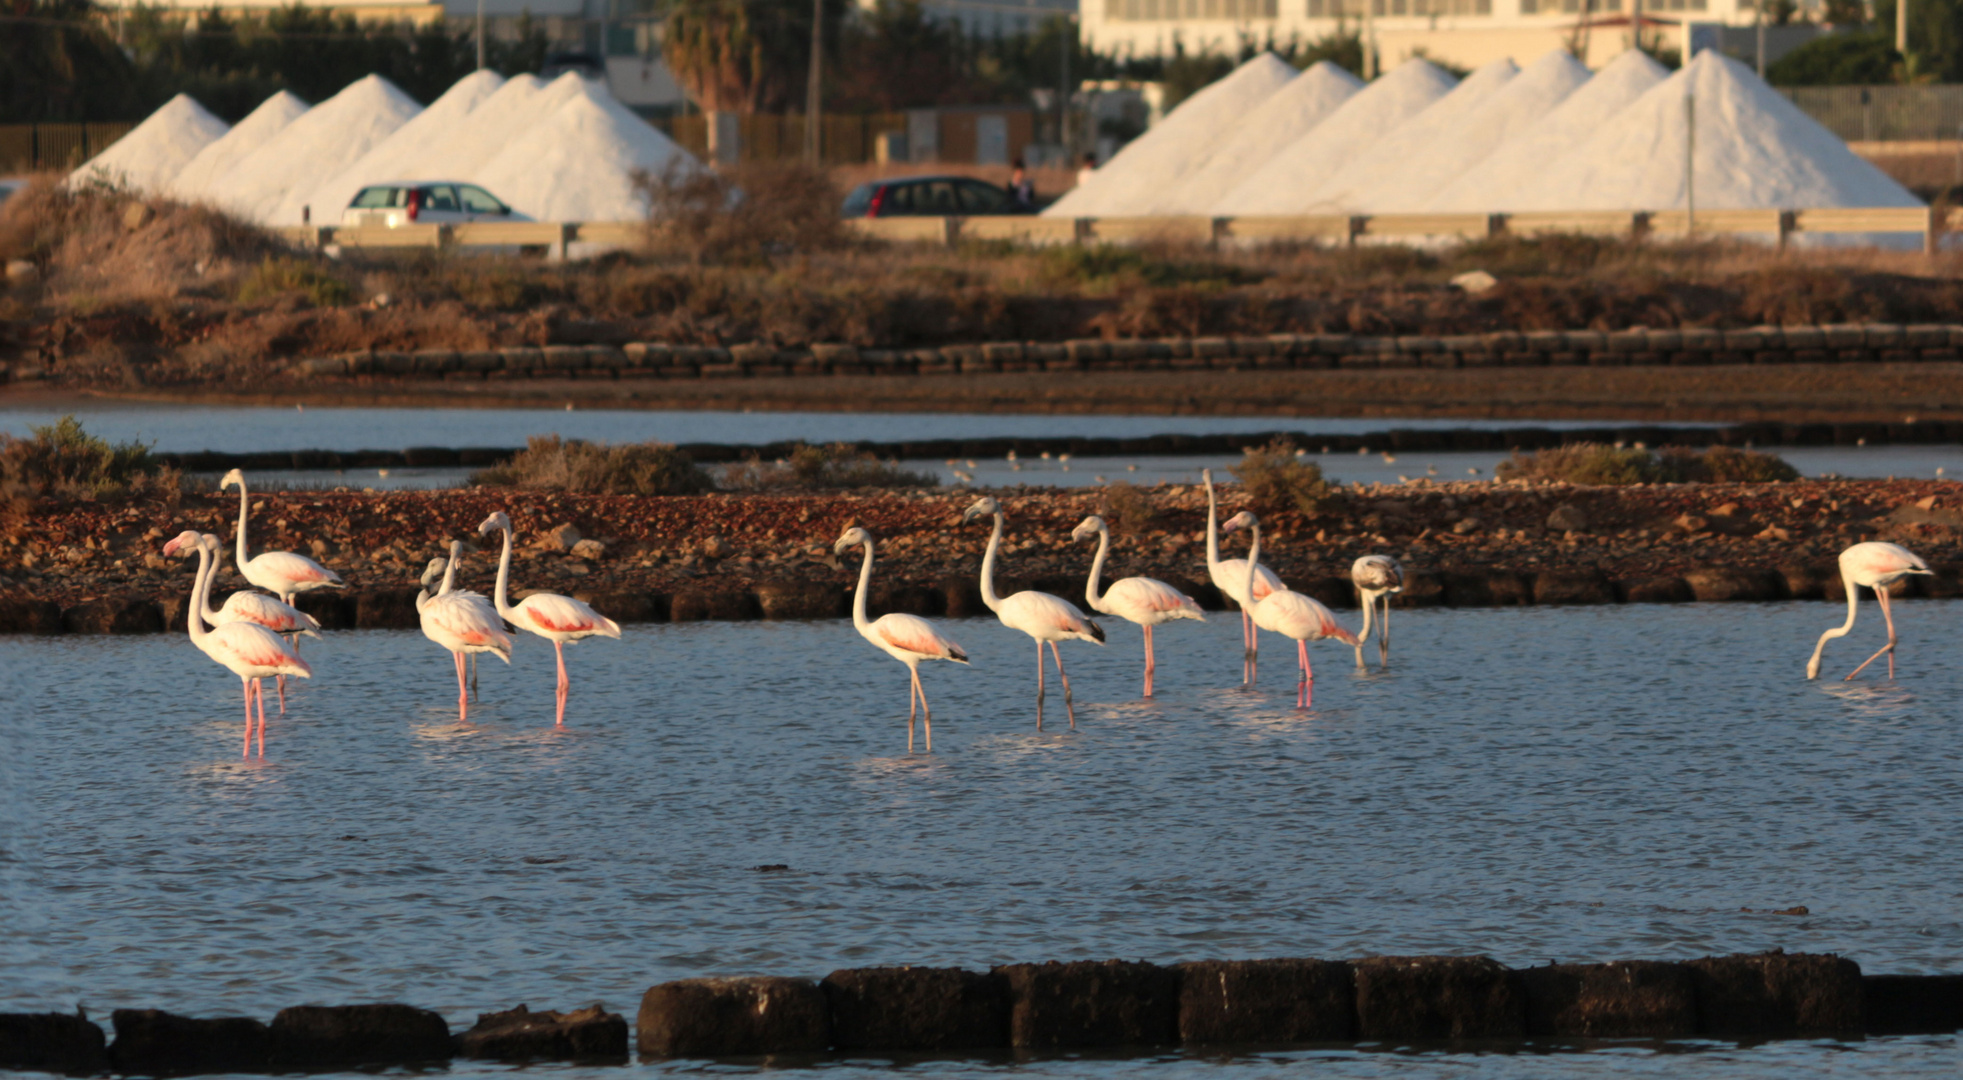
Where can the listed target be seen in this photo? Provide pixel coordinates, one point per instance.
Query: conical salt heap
(1287, 115)
(1352, 188)
(272, 184)
(577, 164)
(218, 159)
(399, 156)
(155, 151)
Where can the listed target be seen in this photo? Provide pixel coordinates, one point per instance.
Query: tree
(745, 55)
(1866, 57)
(57, 62)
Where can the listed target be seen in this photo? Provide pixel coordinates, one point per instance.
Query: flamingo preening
(558, 619)
(1042, 616)
(242, 606)
(462, 622)
(1230, 577)
(247, 649)
(1290, 614)
(906, 638)
(1875, 565)
(1375, 578)
(1145, 601)
(281, 573)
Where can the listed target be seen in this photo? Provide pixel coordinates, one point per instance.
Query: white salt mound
(1284, 184)
(1353, 188)
(576, 164)
(155, 151)
(1754, 151)
(1407, 186)
(1494, 184)
(1151, 164)
(396, 157)
(1288, 114)
(490, 127)
(218, 159)
(271, 185)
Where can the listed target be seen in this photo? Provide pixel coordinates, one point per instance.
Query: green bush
(63, 461)
(549, 463)
(1278, 479)
(839, 465)
(287, 275)
(1601, 464)
(1109, 264)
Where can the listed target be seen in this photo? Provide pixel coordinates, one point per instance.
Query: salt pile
(159, 148)
(1151, 164)
(1353, 187)
(1288, 114)
(1283, 185)
(400, 156)
(577, 163)
(271, 185)
(1406, 185)
(490, 127)
(1495, 183)
(1754, 150)
(218, 159)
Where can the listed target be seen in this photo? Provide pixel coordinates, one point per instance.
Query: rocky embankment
(96, 567)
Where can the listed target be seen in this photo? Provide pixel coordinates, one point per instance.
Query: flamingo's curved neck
(1097, 569)
(1853, 602)
(504, 577)
(993, 601)
(1369, 598)
(1212, 528)
(859, 597)
(1253, 561)
(204, 598)
(450, 571)
(194, 616)
(423, 598)
(241, 536)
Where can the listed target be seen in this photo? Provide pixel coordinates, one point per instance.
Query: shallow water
(1534, 784)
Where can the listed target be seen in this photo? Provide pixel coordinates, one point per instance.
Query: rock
(1556, 587)
(1657, 590)
(696, 605)
(1625, 999)
(1720, 584)
(1568, 517)
(151, 1042)
(522, 1035)
(588, 549)
(1421, 589)
(916, 1008)
(331, 608)
(1091, 1003)
(801, 600)
(558, 538)
(25, 615)
(386, 609)
(1809, 582)
(1437, 997)
(1496, 588)
(138, 214)
(1465, 525)
(320, 1036)
(1691, 523)
(718, 1017)
(715, 547)
(1776, 995)
(21, 271)
(1266, 1001)
(1912, 1004)
(1474, 282)
(51, 1042)
(627, 606)
(125, 613)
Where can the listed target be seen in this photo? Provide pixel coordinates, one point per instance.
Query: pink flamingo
(1290, 614)
(1145, 601)
(1230, 577)
(249, 650)
(256, 608)
(281, 573)
(556, 618)
(1375, 578)
(462, 622)
(1876, 565)
(1038, 614)
(906, 638)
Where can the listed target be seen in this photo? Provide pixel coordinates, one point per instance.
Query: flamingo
(1042, 616)
(449, 584)
(1876, 565)
(281, 573)
(1230, 577)
(906, 638)
(556, 618)
(252, 607)
(1290, 614)
(462, 622)
(1376, 577)
(249, 650)
(1145, 601)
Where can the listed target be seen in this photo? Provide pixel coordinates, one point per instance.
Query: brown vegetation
(1600, 463)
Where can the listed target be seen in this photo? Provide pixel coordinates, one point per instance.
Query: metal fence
(1884, 113)
(30, 147)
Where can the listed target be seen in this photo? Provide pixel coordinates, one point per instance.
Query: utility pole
(1370, 39)
(1690, 164)
(813, 105)
(1901, 30)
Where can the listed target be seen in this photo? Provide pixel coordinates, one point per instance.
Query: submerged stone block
(1437, 997)
(318, 1036)
(151, 1042)
(1091, 1003)
(916, 1008)
(521, 1035)
(715, 1017)
(1624, 999)
(1266, 1001)
(1776, 995)
(1912, 1004)
(51, 1042)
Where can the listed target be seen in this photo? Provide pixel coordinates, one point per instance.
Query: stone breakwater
(1849, 343)
(1048, 1007)
(92, 567)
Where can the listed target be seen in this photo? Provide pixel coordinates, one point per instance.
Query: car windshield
(860, 200)
(478, 201)
(376, 198)
(980, 198)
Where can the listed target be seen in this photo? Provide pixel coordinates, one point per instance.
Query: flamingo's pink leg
(463, 699)
(245, 690)
(473, 677)
(1247, 646)
(1383, 633)
(280, 680)
(259, 695)
(1068, 705)
(1149, 664)
(1881, 594)
(926, 713)
(913, 691)
(1039, 685)
(565, 683)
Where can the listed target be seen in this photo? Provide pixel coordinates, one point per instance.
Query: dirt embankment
(96, 568)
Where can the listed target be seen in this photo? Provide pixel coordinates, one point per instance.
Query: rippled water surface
(1572, 784)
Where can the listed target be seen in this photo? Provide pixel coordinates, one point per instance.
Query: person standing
(1021, 191)
(1085, 170)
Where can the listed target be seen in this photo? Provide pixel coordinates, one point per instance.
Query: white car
(425, 202)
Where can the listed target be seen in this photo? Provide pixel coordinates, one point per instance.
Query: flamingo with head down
(1375, 578)
(248, 650)
(1231, 578)
(558, 619)
(462, 622)
(1042, 616)
(1148, 602)
(906, 638)
(1290, 614)
(281, 573)
(1875, 565)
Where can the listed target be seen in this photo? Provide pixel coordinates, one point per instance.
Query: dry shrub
(1278, 479)
(744, 214)
(836, 466)
(549, 463)
(1604, 465)
(1127, 506)
(62, 461)
(288, 275)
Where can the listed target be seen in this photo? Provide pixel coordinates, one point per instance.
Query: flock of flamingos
(257, 636)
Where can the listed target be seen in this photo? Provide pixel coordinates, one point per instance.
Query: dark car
(930, 196)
